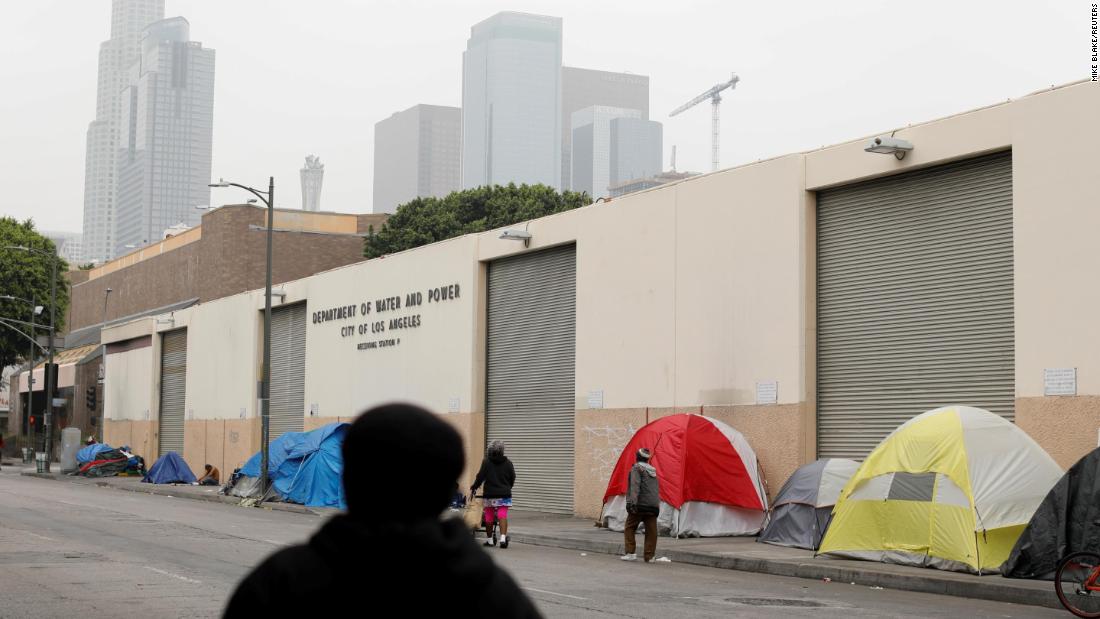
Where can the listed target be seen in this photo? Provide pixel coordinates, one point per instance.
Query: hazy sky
(296, 77)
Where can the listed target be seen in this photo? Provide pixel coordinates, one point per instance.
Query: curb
(168, 491)
(995, 589)
(990, 588)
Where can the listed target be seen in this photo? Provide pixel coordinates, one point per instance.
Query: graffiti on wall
(604, 444)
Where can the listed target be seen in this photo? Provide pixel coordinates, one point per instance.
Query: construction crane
(715, 96)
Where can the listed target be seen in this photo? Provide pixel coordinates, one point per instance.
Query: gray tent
(801, 510)
(1067, 521)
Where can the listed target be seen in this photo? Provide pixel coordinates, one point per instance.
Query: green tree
(26, 275)
(427, 220)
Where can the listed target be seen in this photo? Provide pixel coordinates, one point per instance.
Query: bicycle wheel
(1077, 583)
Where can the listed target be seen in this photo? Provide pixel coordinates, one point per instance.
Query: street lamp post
(265, 370)
(49, 355)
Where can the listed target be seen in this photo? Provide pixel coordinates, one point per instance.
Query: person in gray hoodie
(643, 504)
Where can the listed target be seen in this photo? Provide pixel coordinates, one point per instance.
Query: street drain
(786, 602)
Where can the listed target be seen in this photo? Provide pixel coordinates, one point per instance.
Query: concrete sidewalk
(200, 493)
(745, 554)
(733, 553)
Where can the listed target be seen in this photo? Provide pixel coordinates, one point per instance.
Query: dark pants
(209, 481)
(650, 522)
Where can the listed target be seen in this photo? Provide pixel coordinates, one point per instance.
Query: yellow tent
(952, 489)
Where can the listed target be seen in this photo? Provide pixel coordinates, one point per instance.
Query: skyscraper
(635, 149)
(166, 135)
(592, 147)
(313, 174)
(128, 19)
(581, 88)
(511, 101)
(417, 154)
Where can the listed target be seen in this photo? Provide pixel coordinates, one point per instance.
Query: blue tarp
(87, 454)
(170, 469)
(306, 467)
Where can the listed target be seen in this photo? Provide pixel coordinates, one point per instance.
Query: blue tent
(89, 453)
(170, 469)
(306, 467)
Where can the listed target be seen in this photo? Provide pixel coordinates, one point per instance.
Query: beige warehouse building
(813, 301)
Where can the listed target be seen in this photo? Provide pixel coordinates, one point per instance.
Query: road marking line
(176, 576)
(564, 595)
(273, 542)
(48, 539)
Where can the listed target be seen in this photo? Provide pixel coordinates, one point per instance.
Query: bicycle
(1077, 583)
(491, 529)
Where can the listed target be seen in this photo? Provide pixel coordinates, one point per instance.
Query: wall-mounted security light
(517, 235)
(890, 145)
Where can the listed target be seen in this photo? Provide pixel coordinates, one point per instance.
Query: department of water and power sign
(379, 319)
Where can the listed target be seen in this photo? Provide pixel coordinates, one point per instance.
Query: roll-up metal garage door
(288, 369)
(914, 300)
(173, 390)
(531, 367)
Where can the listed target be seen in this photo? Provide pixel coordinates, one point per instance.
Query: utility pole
(28, 410)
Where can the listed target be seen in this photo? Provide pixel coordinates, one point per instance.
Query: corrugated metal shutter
(173, 390)
(914, 300)
(288, 369)
(530, 387)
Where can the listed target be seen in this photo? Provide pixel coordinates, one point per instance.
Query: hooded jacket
(643, 494)
(498, 475)
(420, 569)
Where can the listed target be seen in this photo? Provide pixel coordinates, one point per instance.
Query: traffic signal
(89, 398)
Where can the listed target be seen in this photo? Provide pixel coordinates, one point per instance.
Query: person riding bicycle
(498, 475)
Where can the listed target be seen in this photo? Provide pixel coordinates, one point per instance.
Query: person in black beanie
(392, 549)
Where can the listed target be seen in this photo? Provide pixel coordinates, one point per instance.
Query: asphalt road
(69, 550)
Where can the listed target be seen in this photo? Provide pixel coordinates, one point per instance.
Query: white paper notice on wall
(454, 405)
(767, 392)
(313, 409)
(595, 398)
(146, 414)
(1060, 381)
(190, 414)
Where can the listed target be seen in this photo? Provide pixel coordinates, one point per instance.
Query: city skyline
(313, 178)
(128, 20)
(165, 137)
(511, 101)
(53, 90)
(423, 151)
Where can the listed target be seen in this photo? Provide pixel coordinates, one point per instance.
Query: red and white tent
(710, 480)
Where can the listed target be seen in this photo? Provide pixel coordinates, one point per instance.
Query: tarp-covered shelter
(89, 453)
(304, 467)
(710, 480)
(800, 512)
(1067, 521)
(951, 488)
